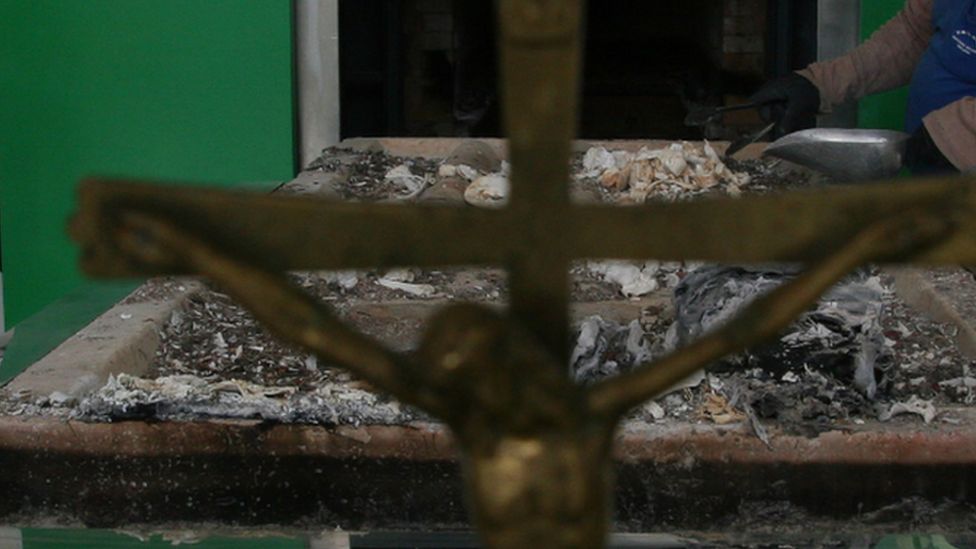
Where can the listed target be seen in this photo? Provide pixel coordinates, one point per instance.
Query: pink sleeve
(883, 62)
(953, 130)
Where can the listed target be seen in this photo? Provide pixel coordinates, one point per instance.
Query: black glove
(922, 153)
(792, 102)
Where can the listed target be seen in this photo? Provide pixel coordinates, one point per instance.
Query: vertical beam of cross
(540, 67)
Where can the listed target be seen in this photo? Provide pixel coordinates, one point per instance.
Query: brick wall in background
(743, 36)
(437, 24)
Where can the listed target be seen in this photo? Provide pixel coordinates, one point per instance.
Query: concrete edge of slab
(122, 339)
(912, 286)
(876, 443)
(688, 476)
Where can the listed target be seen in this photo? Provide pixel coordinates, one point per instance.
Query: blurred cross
(536, 446)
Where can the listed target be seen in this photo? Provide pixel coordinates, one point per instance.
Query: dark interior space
(645, 63)
(370, 61)
(425, 68)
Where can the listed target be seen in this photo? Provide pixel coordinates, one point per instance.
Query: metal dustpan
(844, 154)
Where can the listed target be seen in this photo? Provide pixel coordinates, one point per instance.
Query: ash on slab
(217, 361)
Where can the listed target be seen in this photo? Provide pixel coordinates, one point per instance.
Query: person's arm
(884, 62)
(953, 129)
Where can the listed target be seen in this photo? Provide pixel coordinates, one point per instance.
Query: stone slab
(687, 475)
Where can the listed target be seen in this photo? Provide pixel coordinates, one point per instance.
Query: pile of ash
(861, 354)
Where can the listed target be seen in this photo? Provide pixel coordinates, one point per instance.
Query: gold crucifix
(535, 447)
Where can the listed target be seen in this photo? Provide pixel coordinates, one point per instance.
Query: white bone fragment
(489, 191)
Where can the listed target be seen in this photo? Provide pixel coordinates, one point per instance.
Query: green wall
(170, 89)
(886, 110)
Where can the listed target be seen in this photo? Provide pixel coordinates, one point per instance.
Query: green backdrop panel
(171, 89)
(885, 110)
(40, 333)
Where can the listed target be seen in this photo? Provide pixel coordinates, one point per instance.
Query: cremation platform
(689, 475)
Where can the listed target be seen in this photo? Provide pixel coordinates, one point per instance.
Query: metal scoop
(844, 154)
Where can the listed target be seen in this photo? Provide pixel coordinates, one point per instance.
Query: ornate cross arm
(293, 233)
(802, 226)
(282, 233)
(895, 239)
(290, 233)
(134, 229)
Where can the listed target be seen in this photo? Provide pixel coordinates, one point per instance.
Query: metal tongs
(748, 139)
(700, 117)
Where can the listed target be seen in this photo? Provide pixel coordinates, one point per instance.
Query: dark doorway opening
(426, 67)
